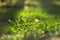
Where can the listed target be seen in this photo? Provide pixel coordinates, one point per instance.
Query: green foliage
(34, 24)
(31, 22)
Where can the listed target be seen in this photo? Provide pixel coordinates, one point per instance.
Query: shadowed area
(9, 12)
(51, 6)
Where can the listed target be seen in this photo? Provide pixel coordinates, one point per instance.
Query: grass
(32, 23)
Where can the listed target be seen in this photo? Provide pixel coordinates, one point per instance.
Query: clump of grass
(34, 23)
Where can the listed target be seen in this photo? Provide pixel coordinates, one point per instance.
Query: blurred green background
(29, 19)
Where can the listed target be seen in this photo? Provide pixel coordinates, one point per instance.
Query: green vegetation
(31, 22)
